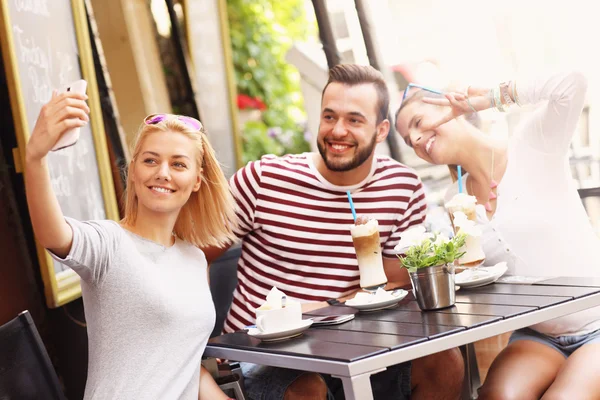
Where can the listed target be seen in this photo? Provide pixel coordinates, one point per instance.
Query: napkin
(362, 298)
(273, 300)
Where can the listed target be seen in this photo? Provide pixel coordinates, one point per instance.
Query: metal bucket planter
(433, 287)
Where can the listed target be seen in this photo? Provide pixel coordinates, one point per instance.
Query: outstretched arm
(62, 113)
(549, 129)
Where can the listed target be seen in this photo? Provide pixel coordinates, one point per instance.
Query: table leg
(358, 387)
(472, 380)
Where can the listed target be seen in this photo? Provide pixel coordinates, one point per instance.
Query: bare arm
(62, 113)
(397, 276)
(208, 387)
(549, 129)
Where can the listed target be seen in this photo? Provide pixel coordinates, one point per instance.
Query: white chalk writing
(37, 7)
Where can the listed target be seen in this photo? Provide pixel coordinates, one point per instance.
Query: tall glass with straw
(365, 237)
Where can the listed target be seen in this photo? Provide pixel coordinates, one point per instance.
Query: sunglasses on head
(193, 123)
(414, 85)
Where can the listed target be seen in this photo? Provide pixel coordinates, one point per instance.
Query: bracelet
(498, 101)
(469, 101)
(508, 101)
(515, 95)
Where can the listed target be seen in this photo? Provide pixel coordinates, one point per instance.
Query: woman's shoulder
(106, 226)
(191, 251)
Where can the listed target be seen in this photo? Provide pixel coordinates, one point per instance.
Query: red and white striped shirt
(295, 227)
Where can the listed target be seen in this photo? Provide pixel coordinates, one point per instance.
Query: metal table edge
(397, 356)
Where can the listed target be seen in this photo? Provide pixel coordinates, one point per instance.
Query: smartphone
(332, 319)
(70, 137)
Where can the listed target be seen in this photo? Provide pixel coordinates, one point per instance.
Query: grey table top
(373, 333)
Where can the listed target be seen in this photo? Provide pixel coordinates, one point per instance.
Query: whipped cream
(367, 229)
(461, 200)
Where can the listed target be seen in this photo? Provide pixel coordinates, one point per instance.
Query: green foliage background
(262, 31)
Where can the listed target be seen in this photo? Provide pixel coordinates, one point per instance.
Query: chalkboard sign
(46, 46)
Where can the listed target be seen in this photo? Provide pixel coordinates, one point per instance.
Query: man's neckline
(331, 186)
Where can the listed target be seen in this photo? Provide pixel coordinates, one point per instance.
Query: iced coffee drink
(365, 236)
(464, 203)
(474, 254)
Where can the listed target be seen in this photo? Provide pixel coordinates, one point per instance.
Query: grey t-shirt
(148, 309)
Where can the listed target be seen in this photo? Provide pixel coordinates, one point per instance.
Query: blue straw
(460, 185)
(351, 204)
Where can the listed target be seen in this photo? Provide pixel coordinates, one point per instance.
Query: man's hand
(306, 307)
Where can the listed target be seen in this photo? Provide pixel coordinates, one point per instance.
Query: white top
(148, 309)
(540, 226)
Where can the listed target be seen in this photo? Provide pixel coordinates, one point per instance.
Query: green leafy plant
(432, 251)
(261, 32)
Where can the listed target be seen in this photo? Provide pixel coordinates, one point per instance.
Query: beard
(343, 165)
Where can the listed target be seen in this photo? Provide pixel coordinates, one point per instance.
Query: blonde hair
(208, 218)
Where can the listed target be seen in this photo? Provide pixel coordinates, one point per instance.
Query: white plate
(481, 276)
(397, 294)
(282, 334)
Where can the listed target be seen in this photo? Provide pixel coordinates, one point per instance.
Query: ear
(382, 130)
(198, 183)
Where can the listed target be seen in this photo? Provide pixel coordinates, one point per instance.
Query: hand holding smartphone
(70, 137)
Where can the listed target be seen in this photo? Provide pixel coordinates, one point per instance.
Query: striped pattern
(296, 228)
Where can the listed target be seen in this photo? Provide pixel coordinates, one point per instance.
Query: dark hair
(354, 74)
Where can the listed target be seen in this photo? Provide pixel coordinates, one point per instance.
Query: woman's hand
(62, 113)
(456, 104)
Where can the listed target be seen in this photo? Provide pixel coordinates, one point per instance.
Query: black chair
(25, 368)
(223, 280)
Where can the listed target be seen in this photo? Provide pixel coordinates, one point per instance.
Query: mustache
(333, 140)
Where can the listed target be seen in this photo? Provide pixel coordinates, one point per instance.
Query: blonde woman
(144, 280)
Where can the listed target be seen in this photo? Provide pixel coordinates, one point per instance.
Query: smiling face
(433, 146)
(165, 172)
(348, 130)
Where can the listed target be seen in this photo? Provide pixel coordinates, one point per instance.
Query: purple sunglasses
(189, 121)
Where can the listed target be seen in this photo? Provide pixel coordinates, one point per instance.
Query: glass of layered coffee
(365, 237)
(474, 255)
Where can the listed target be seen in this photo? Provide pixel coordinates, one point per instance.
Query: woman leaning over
(532, 218)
